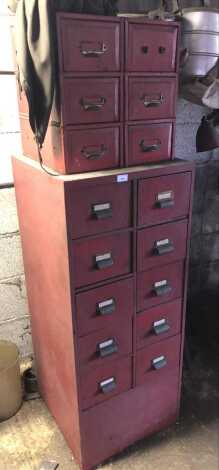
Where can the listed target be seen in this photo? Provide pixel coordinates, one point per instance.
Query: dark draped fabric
(133, 6)
(146, 5)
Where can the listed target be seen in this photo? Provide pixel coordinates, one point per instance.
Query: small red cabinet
(114, 73)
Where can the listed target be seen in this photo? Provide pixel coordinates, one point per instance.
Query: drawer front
(90, 100)
(106, 207)
(127, 418)
(159, 285)
(106, 345)
(105, 382)
(92, 149)
(149, 143)
(90, 46)
(105, 306)
(163, 198)
(158, 323)
(151, 48)
(101, 258)
(151, 98)
(161, 245)
(158, 360)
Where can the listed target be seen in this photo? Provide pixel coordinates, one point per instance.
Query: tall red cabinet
(106, 241)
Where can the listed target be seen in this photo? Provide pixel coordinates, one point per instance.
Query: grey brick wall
(14, 314)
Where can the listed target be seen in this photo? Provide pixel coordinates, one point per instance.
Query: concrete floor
(192, 444)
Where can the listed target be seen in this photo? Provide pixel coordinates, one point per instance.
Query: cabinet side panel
(52, 151)
(41, 211)
(186, 281)
(53, 148)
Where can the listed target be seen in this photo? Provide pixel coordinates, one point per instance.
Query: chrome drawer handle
(165, 200)
(89, 105)
(93, 52)
(107, 307)
(162, 288)
(108, 385)
(104, 261)
(107, 348)
(152, 101)
(150, 148)
(162, 247)
(102, 211)
(160, 327)
(93, 153)
(159, 362)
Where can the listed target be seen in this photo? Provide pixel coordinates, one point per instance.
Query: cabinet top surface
(129, 17)
(142, 171)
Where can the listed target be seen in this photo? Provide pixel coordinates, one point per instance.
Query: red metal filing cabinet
(106, 245)
(118, 87)
(106, 260)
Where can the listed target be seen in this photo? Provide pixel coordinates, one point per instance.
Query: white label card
(107, 382)
(106, 303)
(164, 242)
(101, 207)
(103, 257)
(122, 178)
(158, 359)
(160, 322)
(105, 344)
(165, 196)
(160, 283)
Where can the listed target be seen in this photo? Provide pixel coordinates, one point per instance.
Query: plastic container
(10, 380)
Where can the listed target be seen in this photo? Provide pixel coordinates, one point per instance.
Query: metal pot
(200, 39)
(10, 380)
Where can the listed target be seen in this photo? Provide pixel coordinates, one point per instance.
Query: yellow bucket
(10, 380)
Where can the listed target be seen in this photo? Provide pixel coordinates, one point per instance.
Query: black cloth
(93, 7)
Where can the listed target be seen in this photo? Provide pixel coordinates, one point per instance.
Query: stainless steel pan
(200, 39)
